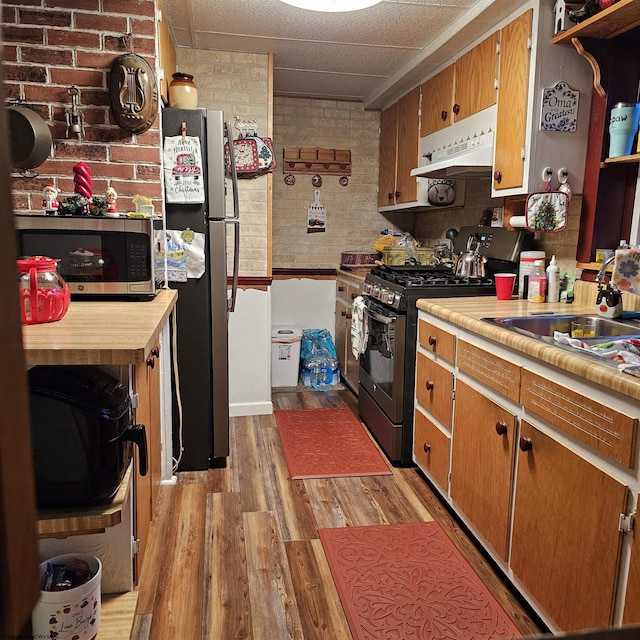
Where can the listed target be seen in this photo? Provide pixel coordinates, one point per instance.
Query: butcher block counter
(98, 332)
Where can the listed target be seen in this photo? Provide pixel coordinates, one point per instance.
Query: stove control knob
(375, 292)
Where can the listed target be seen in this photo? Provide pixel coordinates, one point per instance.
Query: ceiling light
(332, 5)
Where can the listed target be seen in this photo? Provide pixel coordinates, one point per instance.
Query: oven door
(382, 362)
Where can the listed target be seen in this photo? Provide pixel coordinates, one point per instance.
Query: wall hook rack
(313, 160)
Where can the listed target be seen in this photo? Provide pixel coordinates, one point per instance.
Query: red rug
(327, 443)
(409, 582)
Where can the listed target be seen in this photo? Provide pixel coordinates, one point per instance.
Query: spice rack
(313, 160)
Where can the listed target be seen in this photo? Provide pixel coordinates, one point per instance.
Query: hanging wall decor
(133, 93)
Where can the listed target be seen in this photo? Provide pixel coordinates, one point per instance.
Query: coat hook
(183, 131)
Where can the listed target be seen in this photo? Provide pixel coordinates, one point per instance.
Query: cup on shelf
(504, 285)
(623, 125)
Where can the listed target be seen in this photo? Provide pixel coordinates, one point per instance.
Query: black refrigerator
(201, 386)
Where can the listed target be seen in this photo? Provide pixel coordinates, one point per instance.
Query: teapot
(470, 264)
(44, 295)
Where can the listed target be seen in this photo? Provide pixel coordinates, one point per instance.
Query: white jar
(527, 262)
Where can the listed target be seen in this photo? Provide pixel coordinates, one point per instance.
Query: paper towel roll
(518, 222)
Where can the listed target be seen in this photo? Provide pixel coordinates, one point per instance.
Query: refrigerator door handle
(236, 264)
(234, 174)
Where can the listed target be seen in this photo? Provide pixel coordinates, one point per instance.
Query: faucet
(609, 299)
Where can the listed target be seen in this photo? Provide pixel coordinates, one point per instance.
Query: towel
(626, 270)
(359, 327)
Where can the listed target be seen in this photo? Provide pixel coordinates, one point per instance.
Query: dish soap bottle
(537, 283)
(553, 281)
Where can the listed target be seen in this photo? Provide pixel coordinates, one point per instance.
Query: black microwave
(97, 255)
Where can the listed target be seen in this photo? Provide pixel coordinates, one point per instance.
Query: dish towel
(359, 327)
(626, 270)
(624, 353)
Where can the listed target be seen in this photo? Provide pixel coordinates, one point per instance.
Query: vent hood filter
(468, 159)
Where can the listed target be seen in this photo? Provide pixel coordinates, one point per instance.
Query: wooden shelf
(336, 162)
(61, 523)
(619, 18)
(624, 159)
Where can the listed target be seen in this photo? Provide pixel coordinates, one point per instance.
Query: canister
(527, 263)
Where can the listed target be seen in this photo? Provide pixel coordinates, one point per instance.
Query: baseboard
(251, 409)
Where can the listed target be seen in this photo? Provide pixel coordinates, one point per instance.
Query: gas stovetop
(398, 286)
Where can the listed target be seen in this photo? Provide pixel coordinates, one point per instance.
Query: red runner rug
(327, 443)
(409, 582)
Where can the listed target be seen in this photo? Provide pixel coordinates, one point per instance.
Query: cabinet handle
(501, 428)
(456, 108)
(426, 447)
(428, 385)
(348, 316)
(497, 176)
(343, 314)
(432, 341)
(397, 194)
(444, 115)
(354, 296)
(390, 196)
(155, 352)
(525, 444)
(151, 362)
(340, 288)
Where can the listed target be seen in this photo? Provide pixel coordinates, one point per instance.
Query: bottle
(527, 262)
(553, 281)
(537, 283)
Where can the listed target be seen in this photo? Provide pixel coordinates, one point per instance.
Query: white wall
(250, 354)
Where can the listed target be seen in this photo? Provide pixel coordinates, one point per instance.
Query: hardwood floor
(234, 553)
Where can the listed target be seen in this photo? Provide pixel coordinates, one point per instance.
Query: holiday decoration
(82, 180)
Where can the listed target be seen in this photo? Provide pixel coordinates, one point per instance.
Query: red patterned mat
(327, 443)
(409, 582)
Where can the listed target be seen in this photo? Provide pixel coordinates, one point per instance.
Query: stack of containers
(527, 264)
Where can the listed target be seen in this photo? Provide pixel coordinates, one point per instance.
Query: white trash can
(72, 613)
(285, 356)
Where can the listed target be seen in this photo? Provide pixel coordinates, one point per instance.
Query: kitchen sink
(542, 327)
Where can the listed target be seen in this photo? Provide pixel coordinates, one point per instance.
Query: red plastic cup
(504, 285)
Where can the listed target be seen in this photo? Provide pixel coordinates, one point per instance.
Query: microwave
(97, 255)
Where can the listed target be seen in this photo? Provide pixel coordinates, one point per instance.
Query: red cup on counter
(504, 285)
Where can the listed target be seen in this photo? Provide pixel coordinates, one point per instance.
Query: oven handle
(379, 317)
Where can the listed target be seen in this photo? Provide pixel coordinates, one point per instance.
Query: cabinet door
(408, 146)
(513, 84)
(565, 541)
(437, 101)
(631, 613)
(431, 449)
(387, 156)
(475, 81)
(434, 389)
(482, 462)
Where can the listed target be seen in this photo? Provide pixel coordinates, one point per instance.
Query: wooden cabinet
(437, 341)
(610, 183)
(462, 88)
(566, 538)
(146, 385)
(434, 389)
(346, 292)
(484, 436)
(398, 152)
(431, 449)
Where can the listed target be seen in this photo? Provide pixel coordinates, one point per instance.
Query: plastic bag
(320, 368)
(387, 238)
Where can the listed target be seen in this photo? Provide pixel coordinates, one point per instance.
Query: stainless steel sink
(542, 327)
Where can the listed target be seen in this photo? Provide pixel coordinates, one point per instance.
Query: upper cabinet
(605, 40)
(399, 139)
(461, 89)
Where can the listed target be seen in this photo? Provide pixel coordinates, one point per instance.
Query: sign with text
(559, 109)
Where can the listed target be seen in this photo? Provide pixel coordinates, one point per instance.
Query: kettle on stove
(470, 263)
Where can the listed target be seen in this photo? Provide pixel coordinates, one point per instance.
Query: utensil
(470, 263)
(30, 138)
(316, 213)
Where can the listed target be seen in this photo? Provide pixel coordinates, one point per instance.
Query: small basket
(396, 256)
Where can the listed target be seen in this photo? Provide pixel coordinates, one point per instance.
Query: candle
(82, 180)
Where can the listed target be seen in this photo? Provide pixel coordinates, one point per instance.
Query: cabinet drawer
(434, 389)
(607, 430)
(437, 340)
(352, 293)
(431, 447)
(499, 374)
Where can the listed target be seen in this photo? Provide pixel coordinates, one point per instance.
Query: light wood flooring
(234, 553)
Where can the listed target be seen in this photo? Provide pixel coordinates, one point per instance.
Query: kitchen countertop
(355, 274)
(468, 312)
(99, 332)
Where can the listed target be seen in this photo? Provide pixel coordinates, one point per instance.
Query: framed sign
(559, 109)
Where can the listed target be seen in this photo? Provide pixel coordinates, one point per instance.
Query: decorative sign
(559, 111)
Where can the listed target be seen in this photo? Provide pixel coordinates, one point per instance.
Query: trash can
(285, 356)
(71, 612)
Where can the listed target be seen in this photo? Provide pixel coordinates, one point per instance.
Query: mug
(623, 125)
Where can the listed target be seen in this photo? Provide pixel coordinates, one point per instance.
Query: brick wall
(240, 85)
(50, 45)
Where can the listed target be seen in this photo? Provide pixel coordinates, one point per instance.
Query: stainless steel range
(387, 364)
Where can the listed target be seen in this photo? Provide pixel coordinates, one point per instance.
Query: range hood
(468, 159)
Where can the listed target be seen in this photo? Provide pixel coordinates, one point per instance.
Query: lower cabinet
(346, 292)
(484, 435)
(432, 449)
(566, 538)
(146, 385)
(434, 388)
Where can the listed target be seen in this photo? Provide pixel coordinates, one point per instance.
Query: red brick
(73, 38)
(148, 189)
(94, 59)
(106, 135)
(9, 53)
(8, 15)
(21, 73)
(87, 5)
(133, 7)
(12, 90)
(148, 172)
(112, 170)
(77, 77)
(41, 109)
(143, 27)
(45, 18)
(116, 43)
(20, 200)
(91, 115)
(95, 97)
(133, 153)
(96, 22)
(47, 93)
(87, 152)
(47, 56)
(23, 34)
(58, 167)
